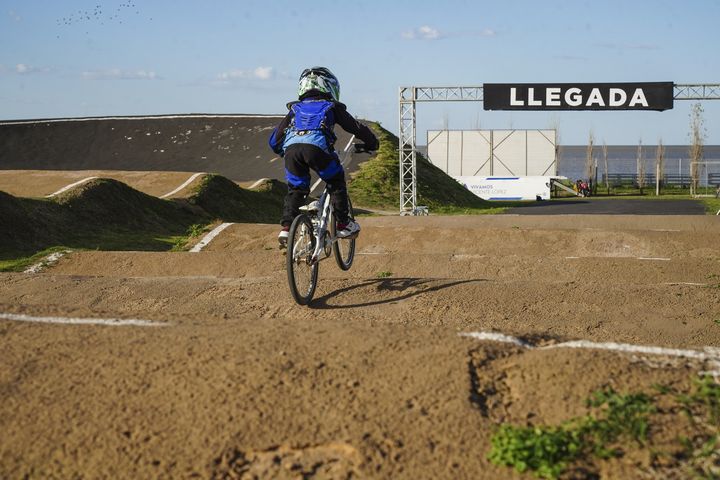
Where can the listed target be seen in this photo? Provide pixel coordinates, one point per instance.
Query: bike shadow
(398, 285)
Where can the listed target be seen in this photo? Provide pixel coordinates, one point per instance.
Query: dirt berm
(234, 146)
(107, 214)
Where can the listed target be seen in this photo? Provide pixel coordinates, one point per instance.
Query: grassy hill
(376, 183)
(223, 199)
(105, 214)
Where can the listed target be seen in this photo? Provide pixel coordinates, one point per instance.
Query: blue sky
(134, 57)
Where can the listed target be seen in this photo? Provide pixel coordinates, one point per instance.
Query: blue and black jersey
(312, 121)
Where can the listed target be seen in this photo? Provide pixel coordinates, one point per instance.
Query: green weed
(548, 450)
(195, 230)
(702, 406)
(384, 274)
(22, 262)
(545, 450)
(704, 396)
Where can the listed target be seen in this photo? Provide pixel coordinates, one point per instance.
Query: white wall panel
(493, 152)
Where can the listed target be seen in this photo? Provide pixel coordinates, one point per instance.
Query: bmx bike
(311, 239)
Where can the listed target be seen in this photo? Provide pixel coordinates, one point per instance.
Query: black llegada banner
(578, 96)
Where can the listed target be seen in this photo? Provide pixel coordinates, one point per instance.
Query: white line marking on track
(663, 230)
(114, 322)
(710, 354)
(185, 184)
(657, 259)
(497, 337)
(68, 187)
(258, 183)
(45, 262)
(693, 284)
(209, 237)
(347, 147)
(150, 117)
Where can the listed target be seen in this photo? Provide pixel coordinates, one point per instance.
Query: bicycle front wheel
(344, 248)
(302, 273)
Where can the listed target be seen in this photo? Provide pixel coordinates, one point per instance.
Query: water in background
(622, 159)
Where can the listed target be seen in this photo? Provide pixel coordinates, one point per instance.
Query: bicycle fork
(322, 231)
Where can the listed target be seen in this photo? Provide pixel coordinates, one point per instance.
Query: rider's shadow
(404, 287)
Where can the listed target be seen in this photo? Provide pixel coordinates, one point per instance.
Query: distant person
(584, 188)
(306, 140)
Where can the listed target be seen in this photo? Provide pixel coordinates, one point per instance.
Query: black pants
(299, 159)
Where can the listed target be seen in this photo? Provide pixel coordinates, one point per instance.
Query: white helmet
(320, 79)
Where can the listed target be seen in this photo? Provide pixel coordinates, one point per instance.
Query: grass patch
(712, 205)
(701, 405)
(617, 423)
(22, 262)
(547, 451)
(376, 184)
(384, 274)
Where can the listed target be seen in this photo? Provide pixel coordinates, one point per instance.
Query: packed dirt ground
(373, 379)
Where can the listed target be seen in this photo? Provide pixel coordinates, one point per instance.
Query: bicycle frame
(322, 233)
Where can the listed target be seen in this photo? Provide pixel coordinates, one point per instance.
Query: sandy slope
(233, 146)
(39, 183)
(373, 379)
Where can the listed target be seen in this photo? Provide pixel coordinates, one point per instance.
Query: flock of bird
(99, 15)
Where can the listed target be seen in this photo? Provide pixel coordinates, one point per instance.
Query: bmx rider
(305, 139)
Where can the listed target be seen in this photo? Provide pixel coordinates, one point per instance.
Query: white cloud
(25, 69)
(258, 73)
(119, 74)
(425, 32)
(14, 16)
(263, 73)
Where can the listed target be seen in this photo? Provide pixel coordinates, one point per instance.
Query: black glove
(366, 147)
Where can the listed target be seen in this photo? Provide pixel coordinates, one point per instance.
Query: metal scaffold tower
(408, 97)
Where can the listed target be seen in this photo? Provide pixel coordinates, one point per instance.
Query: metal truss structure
(700, 91)
(408, 97)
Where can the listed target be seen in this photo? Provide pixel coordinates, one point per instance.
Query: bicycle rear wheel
(302, 274)
(344, 248)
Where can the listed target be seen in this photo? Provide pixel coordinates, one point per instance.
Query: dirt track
(234, 146)
(373, 379)
(40, 183)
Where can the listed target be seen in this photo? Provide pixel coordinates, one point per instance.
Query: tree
(589, 157)
(555, 125)
(660, 161)
(605, 162)
(697, 142)
(641, 176)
